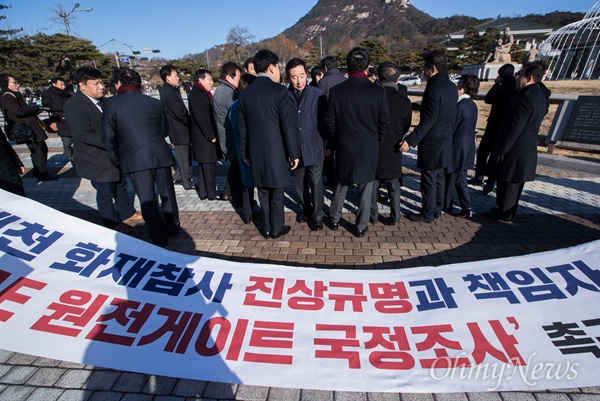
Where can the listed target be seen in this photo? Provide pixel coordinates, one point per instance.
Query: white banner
(75, 291)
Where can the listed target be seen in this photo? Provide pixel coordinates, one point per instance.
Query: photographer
(17, 114)
(53, 101)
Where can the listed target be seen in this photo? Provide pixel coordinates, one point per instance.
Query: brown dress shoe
(134, 217)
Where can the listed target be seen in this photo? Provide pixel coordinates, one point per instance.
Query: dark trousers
(393, 187)
(39, 157)
(432, 192)
(183, 172)
(507, 198)
(309, 187)
(329, 170)
(67, 142)
(207, 181)
(365, 196)
(456, 183)
(16, 189)
(143, 183)
(234, 186)
(483, 152)
(247, 200)
(110, 195)
(271, 207)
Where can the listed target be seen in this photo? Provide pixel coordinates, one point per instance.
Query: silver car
(410, 81)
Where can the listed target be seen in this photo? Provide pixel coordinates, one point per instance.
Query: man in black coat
(54, 98)
(331, 74)
(268, 142)
(204, 135)
(499, 97)
(357, 119)
(134, 129)
(389, 164)
(434, 135)
(17, 111)
(514, 158)
(178, 119)
(83, 114)
(331, 77)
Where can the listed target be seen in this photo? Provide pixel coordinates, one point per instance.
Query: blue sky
(179, 27)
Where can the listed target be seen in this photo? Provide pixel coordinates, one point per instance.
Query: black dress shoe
(496, 214)
(316, 226)
(301, 218)
(475, 181)
(419, 218)
(266, 234)
(391, 222)
(467, 213)
(247, 218)
(47, 177)
(447, 210)
(361, 233)
(172, 231)
(284, 231)
(488, 187)
(332, 225)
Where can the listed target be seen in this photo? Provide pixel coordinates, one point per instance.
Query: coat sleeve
(407, 117)
(430, 109)
(201, 113)
(523, 110)
(178, 109)
(220, 110)
(14, 108)
(330, 124)
(289, 125)
(80, 125)
(494, 94)
(242, 131)
(109, 134)
(321, 112)
(383, 121)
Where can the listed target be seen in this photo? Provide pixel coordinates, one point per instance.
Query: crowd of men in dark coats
(347, 129)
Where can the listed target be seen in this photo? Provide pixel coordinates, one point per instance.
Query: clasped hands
(404, 146)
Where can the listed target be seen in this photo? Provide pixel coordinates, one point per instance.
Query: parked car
(412, 80)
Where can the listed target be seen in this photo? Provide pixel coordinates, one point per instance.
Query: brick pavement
(560, 209)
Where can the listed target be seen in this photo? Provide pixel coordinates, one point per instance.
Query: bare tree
(238, 44)
(66, 18)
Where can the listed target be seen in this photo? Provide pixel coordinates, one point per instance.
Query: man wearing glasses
(83, 113)
(16, 111)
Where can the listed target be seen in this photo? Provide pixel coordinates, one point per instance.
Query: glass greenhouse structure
(572, 51)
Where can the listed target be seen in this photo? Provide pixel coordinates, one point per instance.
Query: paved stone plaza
(560, 209)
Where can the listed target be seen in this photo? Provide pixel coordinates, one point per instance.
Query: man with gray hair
(389, 164)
